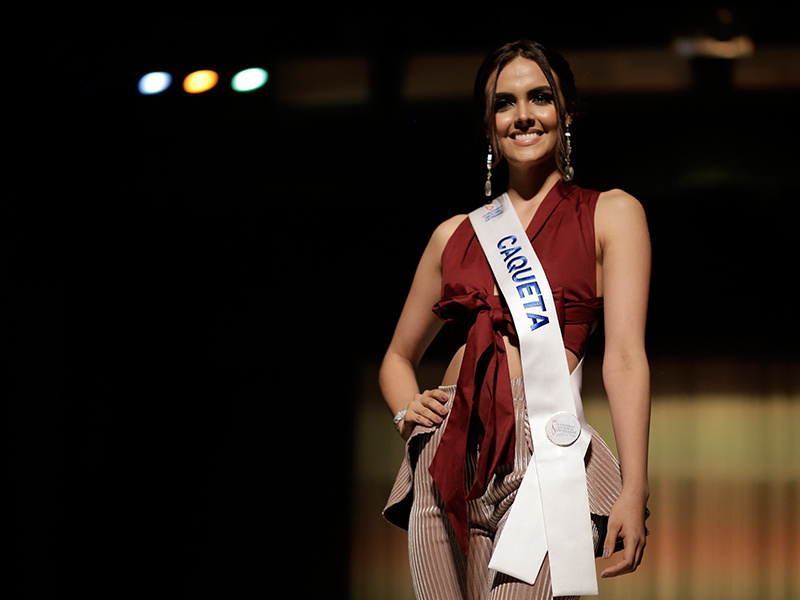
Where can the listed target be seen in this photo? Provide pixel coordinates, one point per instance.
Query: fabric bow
(483, 409)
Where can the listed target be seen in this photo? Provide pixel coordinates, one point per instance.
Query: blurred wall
(196, 374)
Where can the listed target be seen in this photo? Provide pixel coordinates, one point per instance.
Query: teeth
(527, 136)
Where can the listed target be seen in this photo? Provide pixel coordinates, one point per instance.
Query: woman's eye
(502, 104)
(542, 98)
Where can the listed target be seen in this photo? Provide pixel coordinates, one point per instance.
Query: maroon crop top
(562, 235)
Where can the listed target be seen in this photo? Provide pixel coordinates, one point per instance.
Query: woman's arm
(625, 256)
(416, 329)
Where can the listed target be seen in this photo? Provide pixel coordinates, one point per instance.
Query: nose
(524, 116)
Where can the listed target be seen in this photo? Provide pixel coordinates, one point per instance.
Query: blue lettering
(516, 263)
(537, 321)
(517, 277)
(524, 276)
(510, 238)
(532, 288)
(507, 254)
(536, 304)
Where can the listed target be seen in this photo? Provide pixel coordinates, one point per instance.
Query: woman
(595, 250)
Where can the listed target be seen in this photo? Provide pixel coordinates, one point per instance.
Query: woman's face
(525, 115)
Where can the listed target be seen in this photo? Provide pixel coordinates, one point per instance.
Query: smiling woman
(525, 120)
(533, 96)
(495, 538)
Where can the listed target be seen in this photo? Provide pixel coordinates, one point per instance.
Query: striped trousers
(439, 569)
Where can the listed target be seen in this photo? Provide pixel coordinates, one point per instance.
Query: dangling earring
(569, 172)
(487, 187)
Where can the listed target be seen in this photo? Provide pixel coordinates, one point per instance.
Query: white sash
(551, 511)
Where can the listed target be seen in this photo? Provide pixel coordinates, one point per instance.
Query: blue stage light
(154, 83)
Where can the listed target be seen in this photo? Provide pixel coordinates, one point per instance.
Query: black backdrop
(187, 360)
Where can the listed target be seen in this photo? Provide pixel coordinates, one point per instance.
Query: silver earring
(487, 187)
(569, 172)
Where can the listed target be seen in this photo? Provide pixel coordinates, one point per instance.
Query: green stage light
(249, 80)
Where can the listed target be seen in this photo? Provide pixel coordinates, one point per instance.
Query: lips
(527, 137)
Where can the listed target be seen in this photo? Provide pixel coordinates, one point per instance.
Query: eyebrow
(541, 88)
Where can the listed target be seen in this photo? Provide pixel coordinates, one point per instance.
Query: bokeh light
(200, 81)
(154, 83)
(249, 80)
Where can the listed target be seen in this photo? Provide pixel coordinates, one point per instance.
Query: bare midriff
(514, 363)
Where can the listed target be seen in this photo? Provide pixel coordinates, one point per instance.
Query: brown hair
(555, 68)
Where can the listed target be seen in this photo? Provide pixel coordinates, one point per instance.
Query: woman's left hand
(626, 521)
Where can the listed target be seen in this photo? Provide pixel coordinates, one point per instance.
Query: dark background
(186, 359)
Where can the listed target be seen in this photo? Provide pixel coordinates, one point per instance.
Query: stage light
(200, 81)
(249, 80)
(154, 83)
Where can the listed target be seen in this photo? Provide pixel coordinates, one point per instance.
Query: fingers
(631, 558)
(428, 408)
(611, 539)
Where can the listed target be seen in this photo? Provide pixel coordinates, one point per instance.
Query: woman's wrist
(398, 419)
(639, 490)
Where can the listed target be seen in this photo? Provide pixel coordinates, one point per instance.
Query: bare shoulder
(446, 228)
(444, 231)
(618, 209)
(618, 201)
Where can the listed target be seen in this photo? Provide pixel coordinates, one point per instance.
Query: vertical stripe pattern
(439, 569)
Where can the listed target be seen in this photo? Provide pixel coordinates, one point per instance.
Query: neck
(531, 185)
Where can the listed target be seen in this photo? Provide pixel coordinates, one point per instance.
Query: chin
(538, 160)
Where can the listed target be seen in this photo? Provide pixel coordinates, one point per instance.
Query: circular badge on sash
(563, 429)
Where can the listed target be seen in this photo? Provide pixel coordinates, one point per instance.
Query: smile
(527, 137)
